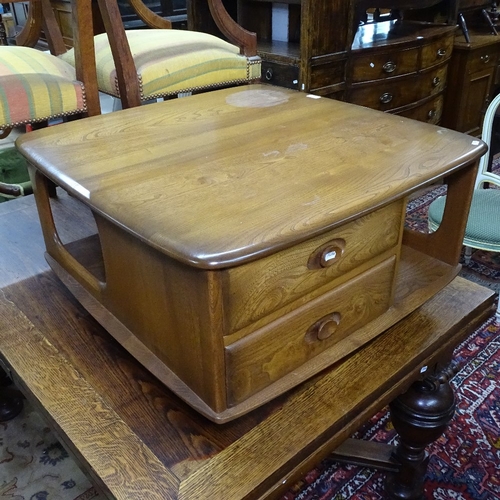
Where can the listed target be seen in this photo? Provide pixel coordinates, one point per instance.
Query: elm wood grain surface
(182, 219)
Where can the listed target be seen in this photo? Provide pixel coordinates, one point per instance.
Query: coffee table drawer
(261, 287)
(257, 360)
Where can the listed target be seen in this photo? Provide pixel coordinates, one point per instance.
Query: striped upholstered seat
(169, 62)
(36, 86)
(140, 65)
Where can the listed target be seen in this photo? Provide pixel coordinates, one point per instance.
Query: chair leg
(467, 254)
(11, 400)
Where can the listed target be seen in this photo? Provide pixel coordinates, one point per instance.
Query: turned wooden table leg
(420, 416)
(11, 400)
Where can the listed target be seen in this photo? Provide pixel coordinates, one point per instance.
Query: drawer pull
(327, 254)
(436, 81)
(431, 114)
(385, 98)
(323, 328)
(441, 52)
(485, 58)
(389, 67)
(269, 74)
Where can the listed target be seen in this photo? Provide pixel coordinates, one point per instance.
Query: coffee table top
(228, 176)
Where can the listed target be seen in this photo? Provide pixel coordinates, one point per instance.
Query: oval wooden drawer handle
(324, 328)
(327, 254)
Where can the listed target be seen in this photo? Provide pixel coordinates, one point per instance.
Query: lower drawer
(268, 354)
(397, 92)
(430, 110)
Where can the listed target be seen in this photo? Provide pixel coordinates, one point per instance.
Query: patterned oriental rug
(464, 462)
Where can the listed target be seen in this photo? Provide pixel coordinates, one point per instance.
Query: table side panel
(173, 309)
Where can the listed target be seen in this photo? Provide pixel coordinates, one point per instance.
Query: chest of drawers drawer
(437, 52)
(397, 92)
(427, 110)
(375, 65)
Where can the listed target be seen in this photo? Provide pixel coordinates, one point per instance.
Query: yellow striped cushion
(36, 86)
(172, 61)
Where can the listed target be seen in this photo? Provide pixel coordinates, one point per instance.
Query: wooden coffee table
(136, 439)
(249, 238)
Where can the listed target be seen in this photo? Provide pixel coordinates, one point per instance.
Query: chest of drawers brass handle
(431, 114)
(385, 98)
(441, 52)
(436, 81)
(389, 67)
(269, 74)
(485, 58)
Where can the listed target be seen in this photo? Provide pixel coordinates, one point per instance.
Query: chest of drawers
(256, 240)
(401, 70)
(475, 75)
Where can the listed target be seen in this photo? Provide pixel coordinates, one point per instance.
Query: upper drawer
(482, 58)
(376, 65)
(284, 75)
(437, 52)
(261, 287)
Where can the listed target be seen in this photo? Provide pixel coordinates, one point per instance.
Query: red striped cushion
(36, 86)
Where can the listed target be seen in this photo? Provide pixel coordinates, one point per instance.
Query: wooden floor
(21, 241)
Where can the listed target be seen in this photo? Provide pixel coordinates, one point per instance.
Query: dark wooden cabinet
(401, 70)
(314, 46)
(473, 75)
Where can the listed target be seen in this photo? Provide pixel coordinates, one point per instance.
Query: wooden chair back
(41, 17)
(110, 16)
